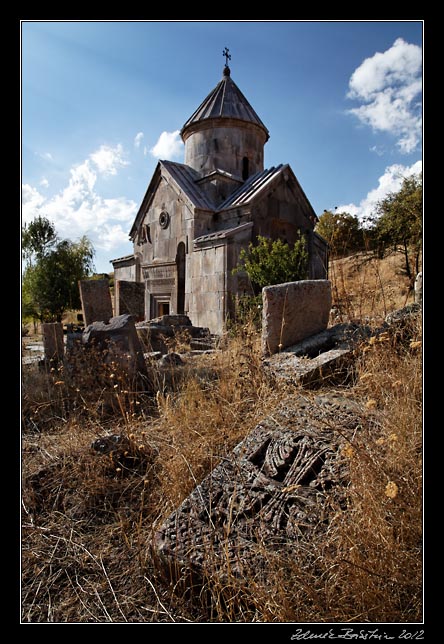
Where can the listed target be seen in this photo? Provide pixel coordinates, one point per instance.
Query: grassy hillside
(89, 518)
(366, 286)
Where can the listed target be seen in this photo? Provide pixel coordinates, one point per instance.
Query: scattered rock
(119, 341)
(406, 314)
(325, 357)
(172, 320)
(107, 444)
(171, 359)
(159, 333)
(341, 336)
(330, 367)
(126, 456)
(153, 355)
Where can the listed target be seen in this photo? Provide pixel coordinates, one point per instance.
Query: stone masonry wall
(206, 297)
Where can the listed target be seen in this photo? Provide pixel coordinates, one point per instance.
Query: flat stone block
(293, 311)
(333, 365)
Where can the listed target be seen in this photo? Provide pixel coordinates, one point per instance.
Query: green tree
(274, 262)
(398, 221)
(268, 262)
(50, 286)
(342, 231)
(38, 238)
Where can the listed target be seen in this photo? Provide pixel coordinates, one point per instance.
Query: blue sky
(103, 101)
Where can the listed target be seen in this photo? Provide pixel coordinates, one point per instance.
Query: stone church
(196, 216)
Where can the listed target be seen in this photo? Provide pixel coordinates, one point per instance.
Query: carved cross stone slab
(277, 486)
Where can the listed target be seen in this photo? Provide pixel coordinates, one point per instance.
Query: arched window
(245, 168)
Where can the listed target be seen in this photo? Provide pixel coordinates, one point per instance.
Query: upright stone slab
(130, 298)
(120, 342)
(96, 301)
(53, 341)
(292, 312)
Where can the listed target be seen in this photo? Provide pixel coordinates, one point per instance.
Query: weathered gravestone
(119, 342)
(96, 302)
(53, 341)
(130, 298)
(293, 311)
(276, 488)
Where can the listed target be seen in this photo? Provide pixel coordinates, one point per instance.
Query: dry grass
(88, 518)
(365, 286)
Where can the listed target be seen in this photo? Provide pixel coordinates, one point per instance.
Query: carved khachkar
(277, 487)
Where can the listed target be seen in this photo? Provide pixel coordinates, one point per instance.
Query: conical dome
(224, 101)
(225, 133)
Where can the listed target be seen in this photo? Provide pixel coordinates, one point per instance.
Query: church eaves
(225, 101)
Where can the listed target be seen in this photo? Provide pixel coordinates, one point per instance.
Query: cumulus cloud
(47, 156)
(79, 209)
(389, 85)
(168, 146)
(390, 181)
(31, 198)
(108, 160)
(44, 182)
(138, 139)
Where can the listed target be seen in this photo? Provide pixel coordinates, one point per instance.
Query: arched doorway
(180, 263)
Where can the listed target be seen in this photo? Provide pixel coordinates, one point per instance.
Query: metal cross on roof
(227, 55)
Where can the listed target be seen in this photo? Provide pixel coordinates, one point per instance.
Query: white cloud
(377, 150)
(138, 139)
(389, 85)
(79, 209)
(168, 146)
(47, 156)
(44, 182)
(31, 202)
(390, 181)
(108, 160)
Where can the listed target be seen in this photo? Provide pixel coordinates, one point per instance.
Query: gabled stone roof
(223, 234)
(184, 178)
(260, 182)
(252, 187)
(225, 101)
(187, 181)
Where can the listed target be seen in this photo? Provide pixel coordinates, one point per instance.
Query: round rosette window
(164, 219)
